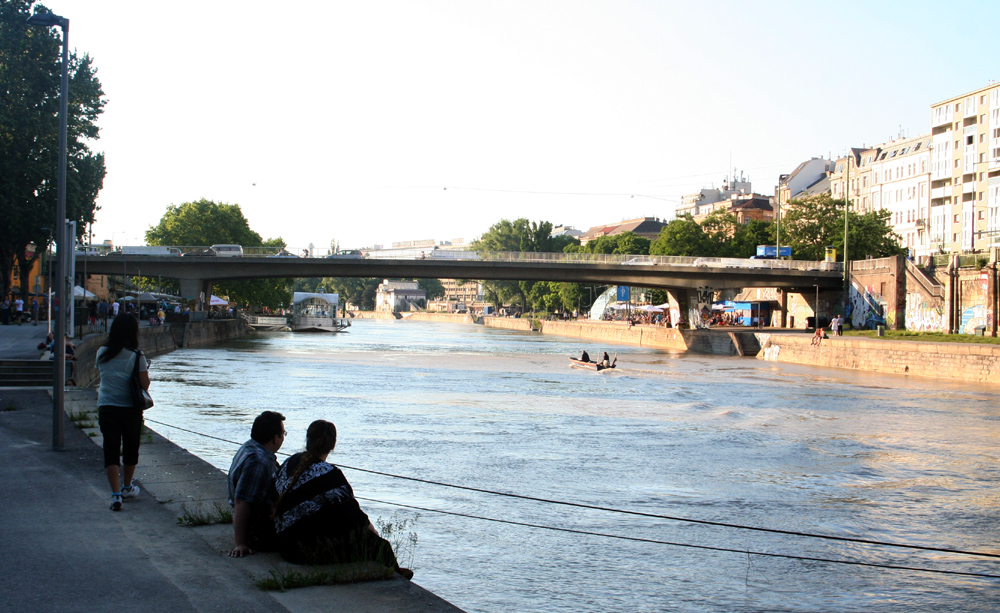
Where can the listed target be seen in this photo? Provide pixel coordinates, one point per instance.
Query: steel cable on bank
(688, 545)
(580, 505)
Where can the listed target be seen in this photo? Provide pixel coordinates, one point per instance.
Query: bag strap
(135, 367)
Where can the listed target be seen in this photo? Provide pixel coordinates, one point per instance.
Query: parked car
(283, 254)
(201, 253)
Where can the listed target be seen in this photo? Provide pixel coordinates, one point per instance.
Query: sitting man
(251, 485)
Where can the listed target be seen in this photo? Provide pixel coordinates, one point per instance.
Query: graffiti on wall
(867, 308)
(972, 318)
(924, 316)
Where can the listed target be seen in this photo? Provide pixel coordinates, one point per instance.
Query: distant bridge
(662, 272)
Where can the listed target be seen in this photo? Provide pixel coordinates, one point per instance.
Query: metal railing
(933, 289)
(872, 264)
(517, 256)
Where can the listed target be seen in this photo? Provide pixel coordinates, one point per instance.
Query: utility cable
(580, 505)
(688, 545)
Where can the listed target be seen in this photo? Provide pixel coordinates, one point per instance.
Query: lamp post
(64, 249)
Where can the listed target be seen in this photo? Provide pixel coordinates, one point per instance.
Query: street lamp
(64, 247)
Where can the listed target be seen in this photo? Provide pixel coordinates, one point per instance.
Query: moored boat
(316, 312)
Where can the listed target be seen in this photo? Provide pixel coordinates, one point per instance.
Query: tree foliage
(812, 224)
(682, 236)
(30, 75)
(203, 223)
(522, 236)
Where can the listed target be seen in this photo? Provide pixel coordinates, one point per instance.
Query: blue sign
(770, 251)
(624, 293)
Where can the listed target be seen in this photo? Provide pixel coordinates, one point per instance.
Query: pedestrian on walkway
(5, 311)
(835, 325)
(34, 311)
(19, 310)
(120, 420)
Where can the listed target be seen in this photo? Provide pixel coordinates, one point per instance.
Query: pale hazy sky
(347, 120)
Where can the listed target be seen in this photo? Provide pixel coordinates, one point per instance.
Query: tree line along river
(722, 440)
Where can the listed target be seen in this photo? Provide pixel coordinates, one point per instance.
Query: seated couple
(304, 509)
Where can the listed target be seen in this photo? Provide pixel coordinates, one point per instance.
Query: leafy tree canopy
(205, 223)
(812, 224)
(30, 76)
(682, 236)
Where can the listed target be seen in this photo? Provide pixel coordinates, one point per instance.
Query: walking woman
(317, 517)
(120, 421)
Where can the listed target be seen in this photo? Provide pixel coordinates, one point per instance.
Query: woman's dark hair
(321, 438)
(124, 334)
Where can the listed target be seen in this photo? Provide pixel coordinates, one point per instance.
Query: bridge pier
(199, 289)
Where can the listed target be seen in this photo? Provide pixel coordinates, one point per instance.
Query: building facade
(965, 169)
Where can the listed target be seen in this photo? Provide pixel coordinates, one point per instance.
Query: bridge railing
(582, 258)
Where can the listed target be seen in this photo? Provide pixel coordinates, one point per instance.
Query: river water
(729, 440)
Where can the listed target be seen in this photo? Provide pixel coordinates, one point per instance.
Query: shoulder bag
(140, 398)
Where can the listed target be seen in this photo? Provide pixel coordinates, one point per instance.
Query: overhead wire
(581, 505)
(688, 545)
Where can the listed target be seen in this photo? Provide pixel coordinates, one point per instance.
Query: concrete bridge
(691, 280)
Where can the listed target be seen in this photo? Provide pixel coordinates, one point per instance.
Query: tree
(208, 223)
(522, 236)
(626, 243)
(682, 236)
(433, 287)
(812, 224)
(30, 74)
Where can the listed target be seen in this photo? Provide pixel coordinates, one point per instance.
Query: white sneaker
(116, 502)
(131, 491)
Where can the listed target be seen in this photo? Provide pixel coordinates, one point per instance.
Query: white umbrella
(79, 292)
(650, 309)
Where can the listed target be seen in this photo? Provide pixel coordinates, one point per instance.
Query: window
(893, 154)
(956, 221)
(982, 215)
(970, 139)
(982, 138)
(915, 149)
(958, 107)
(956, 163)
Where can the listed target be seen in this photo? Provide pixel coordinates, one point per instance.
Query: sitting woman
(317, 518)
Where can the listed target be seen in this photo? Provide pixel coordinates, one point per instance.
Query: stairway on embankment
(26, 373)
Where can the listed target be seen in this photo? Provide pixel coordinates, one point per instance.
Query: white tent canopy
(79, 292)
(216, 301)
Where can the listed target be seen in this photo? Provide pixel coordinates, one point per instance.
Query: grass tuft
(286, 579)
(82, 419)
(8, 408)
(401, 535)
(927, 337)
(218, 514)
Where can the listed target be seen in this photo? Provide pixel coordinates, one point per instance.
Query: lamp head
(47, 20)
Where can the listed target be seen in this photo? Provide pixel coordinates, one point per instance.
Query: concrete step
(25, 373)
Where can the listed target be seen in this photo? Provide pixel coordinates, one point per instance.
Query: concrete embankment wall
(211, 331)
(508, 323)
(152, 342)
(618, 332)
(956, 361)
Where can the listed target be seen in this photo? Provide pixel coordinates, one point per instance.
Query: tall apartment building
(965, 169)
(893, 176)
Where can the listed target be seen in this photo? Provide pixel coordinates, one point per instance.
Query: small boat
(316, 312)
(598, 366)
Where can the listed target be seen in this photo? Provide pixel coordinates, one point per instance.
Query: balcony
(940, 192)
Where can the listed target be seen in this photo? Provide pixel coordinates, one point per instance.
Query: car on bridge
(200, 253)
(283, 254)
(348, 254)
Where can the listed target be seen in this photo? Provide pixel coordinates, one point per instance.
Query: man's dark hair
(267, 426)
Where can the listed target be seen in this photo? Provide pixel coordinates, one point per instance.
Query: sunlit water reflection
(723, 439)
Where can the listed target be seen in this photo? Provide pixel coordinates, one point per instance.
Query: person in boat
(584, 357)
(317, 517)
(606, 360)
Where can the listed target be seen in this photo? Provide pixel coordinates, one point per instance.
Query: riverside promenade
(64, 550)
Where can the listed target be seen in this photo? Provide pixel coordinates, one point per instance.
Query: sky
(371, 122)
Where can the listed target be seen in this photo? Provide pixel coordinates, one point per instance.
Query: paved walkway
(64, 550)
(21, 342)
